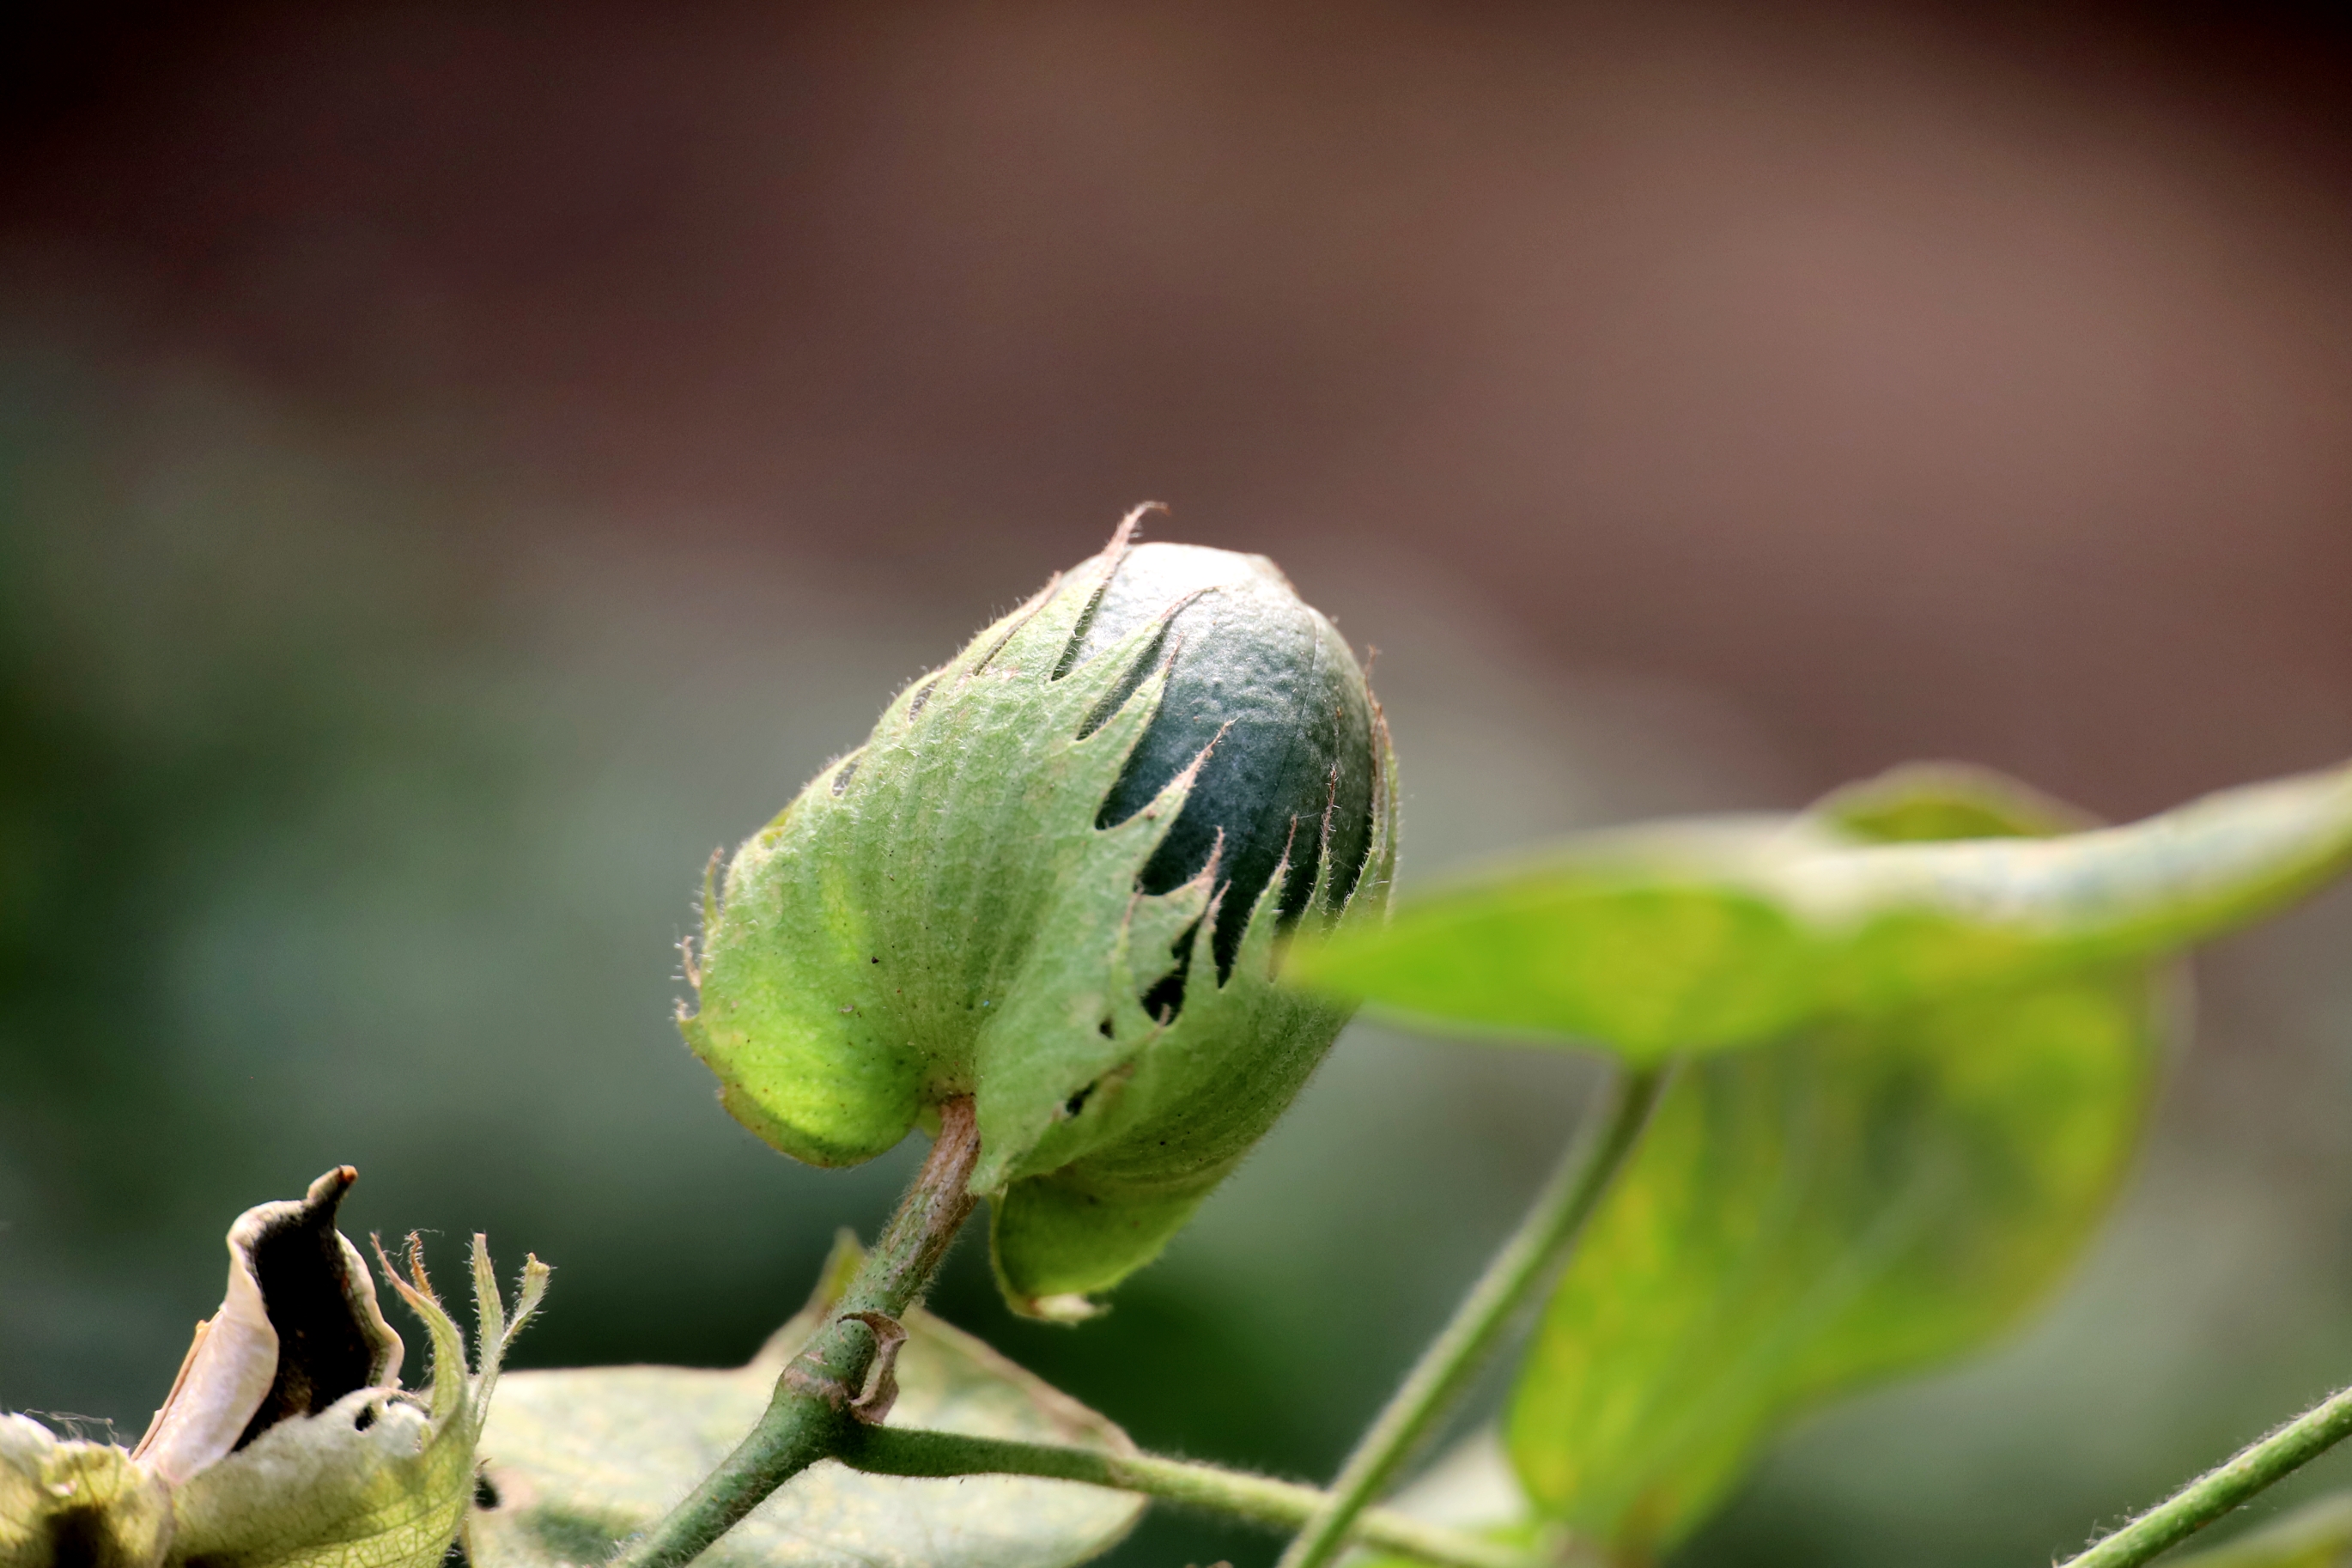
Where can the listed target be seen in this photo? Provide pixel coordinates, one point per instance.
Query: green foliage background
(342, 820)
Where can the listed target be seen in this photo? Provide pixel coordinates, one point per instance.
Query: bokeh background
(461, 464)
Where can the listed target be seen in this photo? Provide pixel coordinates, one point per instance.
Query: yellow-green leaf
(1865, 1197)
(1829, 1210)
(1727, 932)
(1822, 1214)
(577, 1459)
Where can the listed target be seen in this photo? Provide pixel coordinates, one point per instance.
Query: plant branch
(1526, 1264)
(811, 1417)
(1284, 1505)
(2219, 1490)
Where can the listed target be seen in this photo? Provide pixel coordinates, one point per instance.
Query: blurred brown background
(462, 463)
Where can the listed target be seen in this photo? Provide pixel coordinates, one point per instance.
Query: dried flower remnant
(286, 1441)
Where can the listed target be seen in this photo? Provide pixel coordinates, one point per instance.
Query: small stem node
(820, 1401)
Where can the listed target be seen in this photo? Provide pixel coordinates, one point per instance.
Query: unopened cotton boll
(1058, 879)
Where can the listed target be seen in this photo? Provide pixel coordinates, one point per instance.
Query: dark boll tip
(1257, 671)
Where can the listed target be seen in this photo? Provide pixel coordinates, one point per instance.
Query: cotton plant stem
(1527, 1263)
(2218, 1490)
(809, 1417)
(1283, 1505)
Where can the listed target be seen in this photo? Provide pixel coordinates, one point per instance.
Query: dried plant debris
(298, 1329)
(287, 1440)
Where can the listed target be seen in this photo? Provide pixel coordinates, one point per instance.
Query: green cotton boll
(1057, 879)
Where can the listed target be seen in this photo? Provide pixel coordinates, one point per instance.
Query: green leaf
(1863, 1197)
(2316, 1535)
(1717, 933)
(579, 1459)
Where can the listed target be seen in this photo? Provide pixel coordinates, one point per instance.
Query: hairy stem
(1284, 1505)
(809, 1417)
(2219, 1490)
(1526, 1266)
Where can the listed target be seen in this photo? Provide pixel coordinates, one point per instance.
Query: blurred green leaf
(1863, 1197)
(578, 1459)
(1831, 1209)
(1722, 933)
(2316, 1535)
